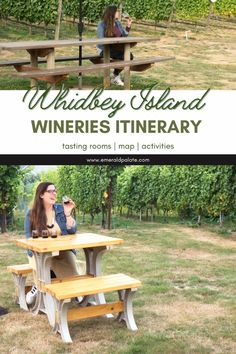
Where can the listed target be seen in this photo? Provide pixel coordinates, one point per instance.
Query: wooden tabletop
(27, 45)
(67, 242)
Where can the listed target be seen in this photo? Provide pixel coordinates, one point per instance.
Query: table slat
(67, 242)
(72, 42)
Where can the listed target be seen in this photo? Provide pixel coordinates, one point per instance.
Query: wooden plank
(63, 243)
(106, 78)
(127, 68)
(95, 285)
(94, 311)
(25, 68)
(92, 57)
(96, 67)
(34, 64)
(23, 65)
(66, 279)
(51, 63)
(71, 278)
(50, 79)
(51, 59)
(20, 269)
(72, 42)
(141, 67)
(138, 68)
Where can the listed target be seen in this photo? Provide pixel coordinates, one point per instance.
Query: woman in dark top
(110, 26)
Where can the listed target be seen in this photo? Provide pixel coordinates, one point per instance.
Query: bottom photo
(117, 259)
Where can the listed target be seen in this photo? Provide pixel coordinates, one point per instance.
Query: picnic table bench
(58, 74)
(63, 293)
(17, 63)
(20, 273)
(38, 49)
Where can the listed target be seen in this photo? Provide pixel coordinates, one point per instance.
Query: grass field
(205, 59)
(187, 303)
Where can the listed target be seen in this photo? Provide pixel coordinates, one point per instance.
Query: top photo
(118, 45)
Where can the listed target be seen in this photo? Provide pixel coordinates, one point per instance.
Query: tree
(27, 187)
(58, 23)
(108, 176)
(222, 184)
(138, 188)
(10, 177)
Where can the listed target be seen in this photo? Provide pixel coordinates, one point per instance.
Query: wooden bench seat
(58, 74)
(20, 269)
(20, 272)
(63, 293)
(19, 62)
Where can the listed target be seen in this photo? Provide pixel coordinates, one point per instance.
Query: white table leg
(94, 267)
(127, 315)
(61, 323)
(43, 269)
(94, 260)
(20, 286)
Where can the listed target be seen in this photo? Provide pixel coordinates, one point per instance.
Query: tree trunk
(140, 215)
(152, 215)
(199, 220)
(103, 217)
(109, 205)
(83, 218)
(3, 221)
(172, 12)
(121, 10)
(45, 30)
(147, 214)
(221, 218)
(211, 11)
(58, 24)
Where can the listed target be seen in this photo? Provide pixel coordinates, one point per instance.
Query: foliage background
(37, 11)
(190, 193)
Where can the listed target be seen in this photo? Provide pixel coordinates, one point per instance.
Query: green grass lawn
(187, 303)
(206, 59)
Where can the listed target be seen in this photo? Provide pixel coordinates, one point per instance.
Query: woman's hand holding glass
(129, 22)
(68, 206)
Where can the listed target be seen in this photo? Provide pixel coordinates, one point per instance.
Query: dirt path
(209, 237)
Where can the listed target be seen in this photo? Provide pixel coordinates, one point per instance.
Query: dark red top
(117, 32)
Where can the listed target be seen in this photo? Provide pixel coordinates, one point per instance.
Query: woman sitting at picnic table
(110, 26)
(56, 218)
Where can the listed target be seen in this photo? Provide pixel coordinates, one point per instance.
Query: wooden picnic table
(93, 245)
(47, 48)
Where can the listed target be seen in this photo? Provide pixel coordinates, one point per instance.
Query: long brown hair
(109, 20)
(38, 219)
